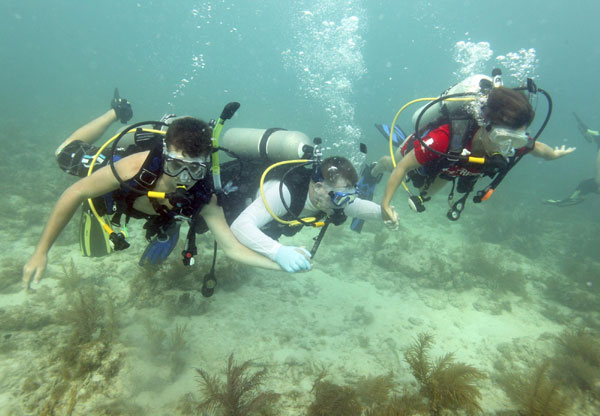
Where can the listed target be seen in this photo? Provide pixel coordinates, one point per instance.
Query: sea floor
(106, 336)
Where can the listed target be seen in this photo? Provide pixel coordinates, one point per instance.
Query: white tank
(471, 85)
(274, 144)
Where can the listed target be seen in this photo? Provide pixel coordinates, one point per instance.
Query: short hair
(190, 135)
(508, 107)
(334, 168)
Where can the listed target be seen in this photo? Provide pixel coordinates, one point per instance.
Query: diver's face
(320, 194)
(503, 140)
(184, 170)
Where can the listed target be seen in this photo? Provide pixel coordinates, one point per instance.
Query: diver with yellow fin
(586, 186)
(165, 175)
(476, 128)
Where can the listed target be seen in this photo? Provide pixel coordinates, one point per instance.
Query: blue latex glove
(160, 247)
(293, 259)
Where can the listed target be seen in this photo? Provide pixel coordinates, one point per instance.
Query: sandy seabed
(367, 299)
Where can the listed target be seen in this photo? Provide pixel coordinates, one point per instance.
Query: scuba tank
(435, 115)
(273, 144)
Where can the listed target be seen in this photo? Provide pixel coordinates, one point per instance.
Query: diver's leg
(385, 163)
(91, 131)
(598, 168)
(435, 186)
(585, 187)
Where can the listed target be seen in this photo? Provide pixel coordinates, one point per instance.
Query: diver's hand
(293, 259)
(122, 108)
(392, 222)
(562, 151)
(34, 269)
(388, 213)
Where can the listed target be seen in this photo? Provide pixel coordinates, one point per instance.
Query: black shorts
(76, 158)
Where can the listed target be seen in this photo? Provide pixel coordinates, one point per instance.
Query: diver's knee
(382, 165)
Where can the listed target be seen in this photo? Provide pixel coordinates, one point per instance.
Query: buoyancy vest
(120, 202)
(243, 183)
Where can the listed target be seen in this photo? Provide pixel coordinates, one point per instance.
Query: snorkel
(226, 114)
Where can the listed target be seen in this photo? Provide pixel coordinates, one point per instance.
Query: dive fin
(366, 189)
(583, 129)
(398, 137)
(93, 240)
(563, 202)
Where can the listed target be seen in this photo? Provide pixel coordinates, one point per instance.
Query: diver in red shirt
(499, 136)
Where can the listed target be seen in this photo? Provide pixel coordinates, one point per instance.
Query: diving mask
(175, 165)
(507, 139)
(344, 197)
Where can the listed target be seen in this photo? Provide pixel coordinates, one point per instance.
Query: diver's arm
(364, 209)
(215, 219)
(408, 162)
(546, 152)
(99, 183)
(92, 131)
(247, 226)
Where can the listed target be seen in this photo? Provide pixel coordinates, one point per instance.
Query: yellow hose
(104, 225)
(391, 138)
(292, 223)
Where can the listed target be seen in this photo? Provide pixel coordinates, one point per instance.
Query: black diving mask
(175, 165)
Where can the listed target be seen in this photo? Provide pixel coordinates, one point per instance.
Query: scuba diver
(476, 128)
(587, 186)
(327, 189)
(164, 182)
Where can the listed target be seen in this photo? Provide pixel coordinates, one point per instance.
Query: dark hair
(190, 135)
(509, 108)
(335, 167)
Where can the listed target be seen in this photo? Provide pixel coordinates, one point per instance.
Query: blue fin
(158, 249)
(398, 137)
(366, 189)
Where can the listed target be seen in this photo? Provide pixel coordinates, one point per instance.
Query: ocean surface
(512, 289)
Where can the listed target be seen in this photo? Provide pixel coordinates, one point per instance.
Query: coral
(408, 404)
(71, 279)
(445, 384)
(93, 326)
(156, 337)
(536, 394)
(577, 361)
(119, 407)
(178, 341)
(177, 346)
(239, 395)
(579, 285)
(334, 400)
(373, 390)
(85, 315)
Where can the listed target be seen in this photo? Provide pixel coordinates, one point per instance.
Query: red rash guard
(439, 139)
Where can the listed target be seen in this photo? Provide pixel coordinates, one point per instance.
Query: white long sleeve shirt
(247, 226)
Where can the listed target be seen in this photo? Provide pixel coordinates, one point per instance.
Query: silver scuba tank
(438, 112)
(274, 144)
